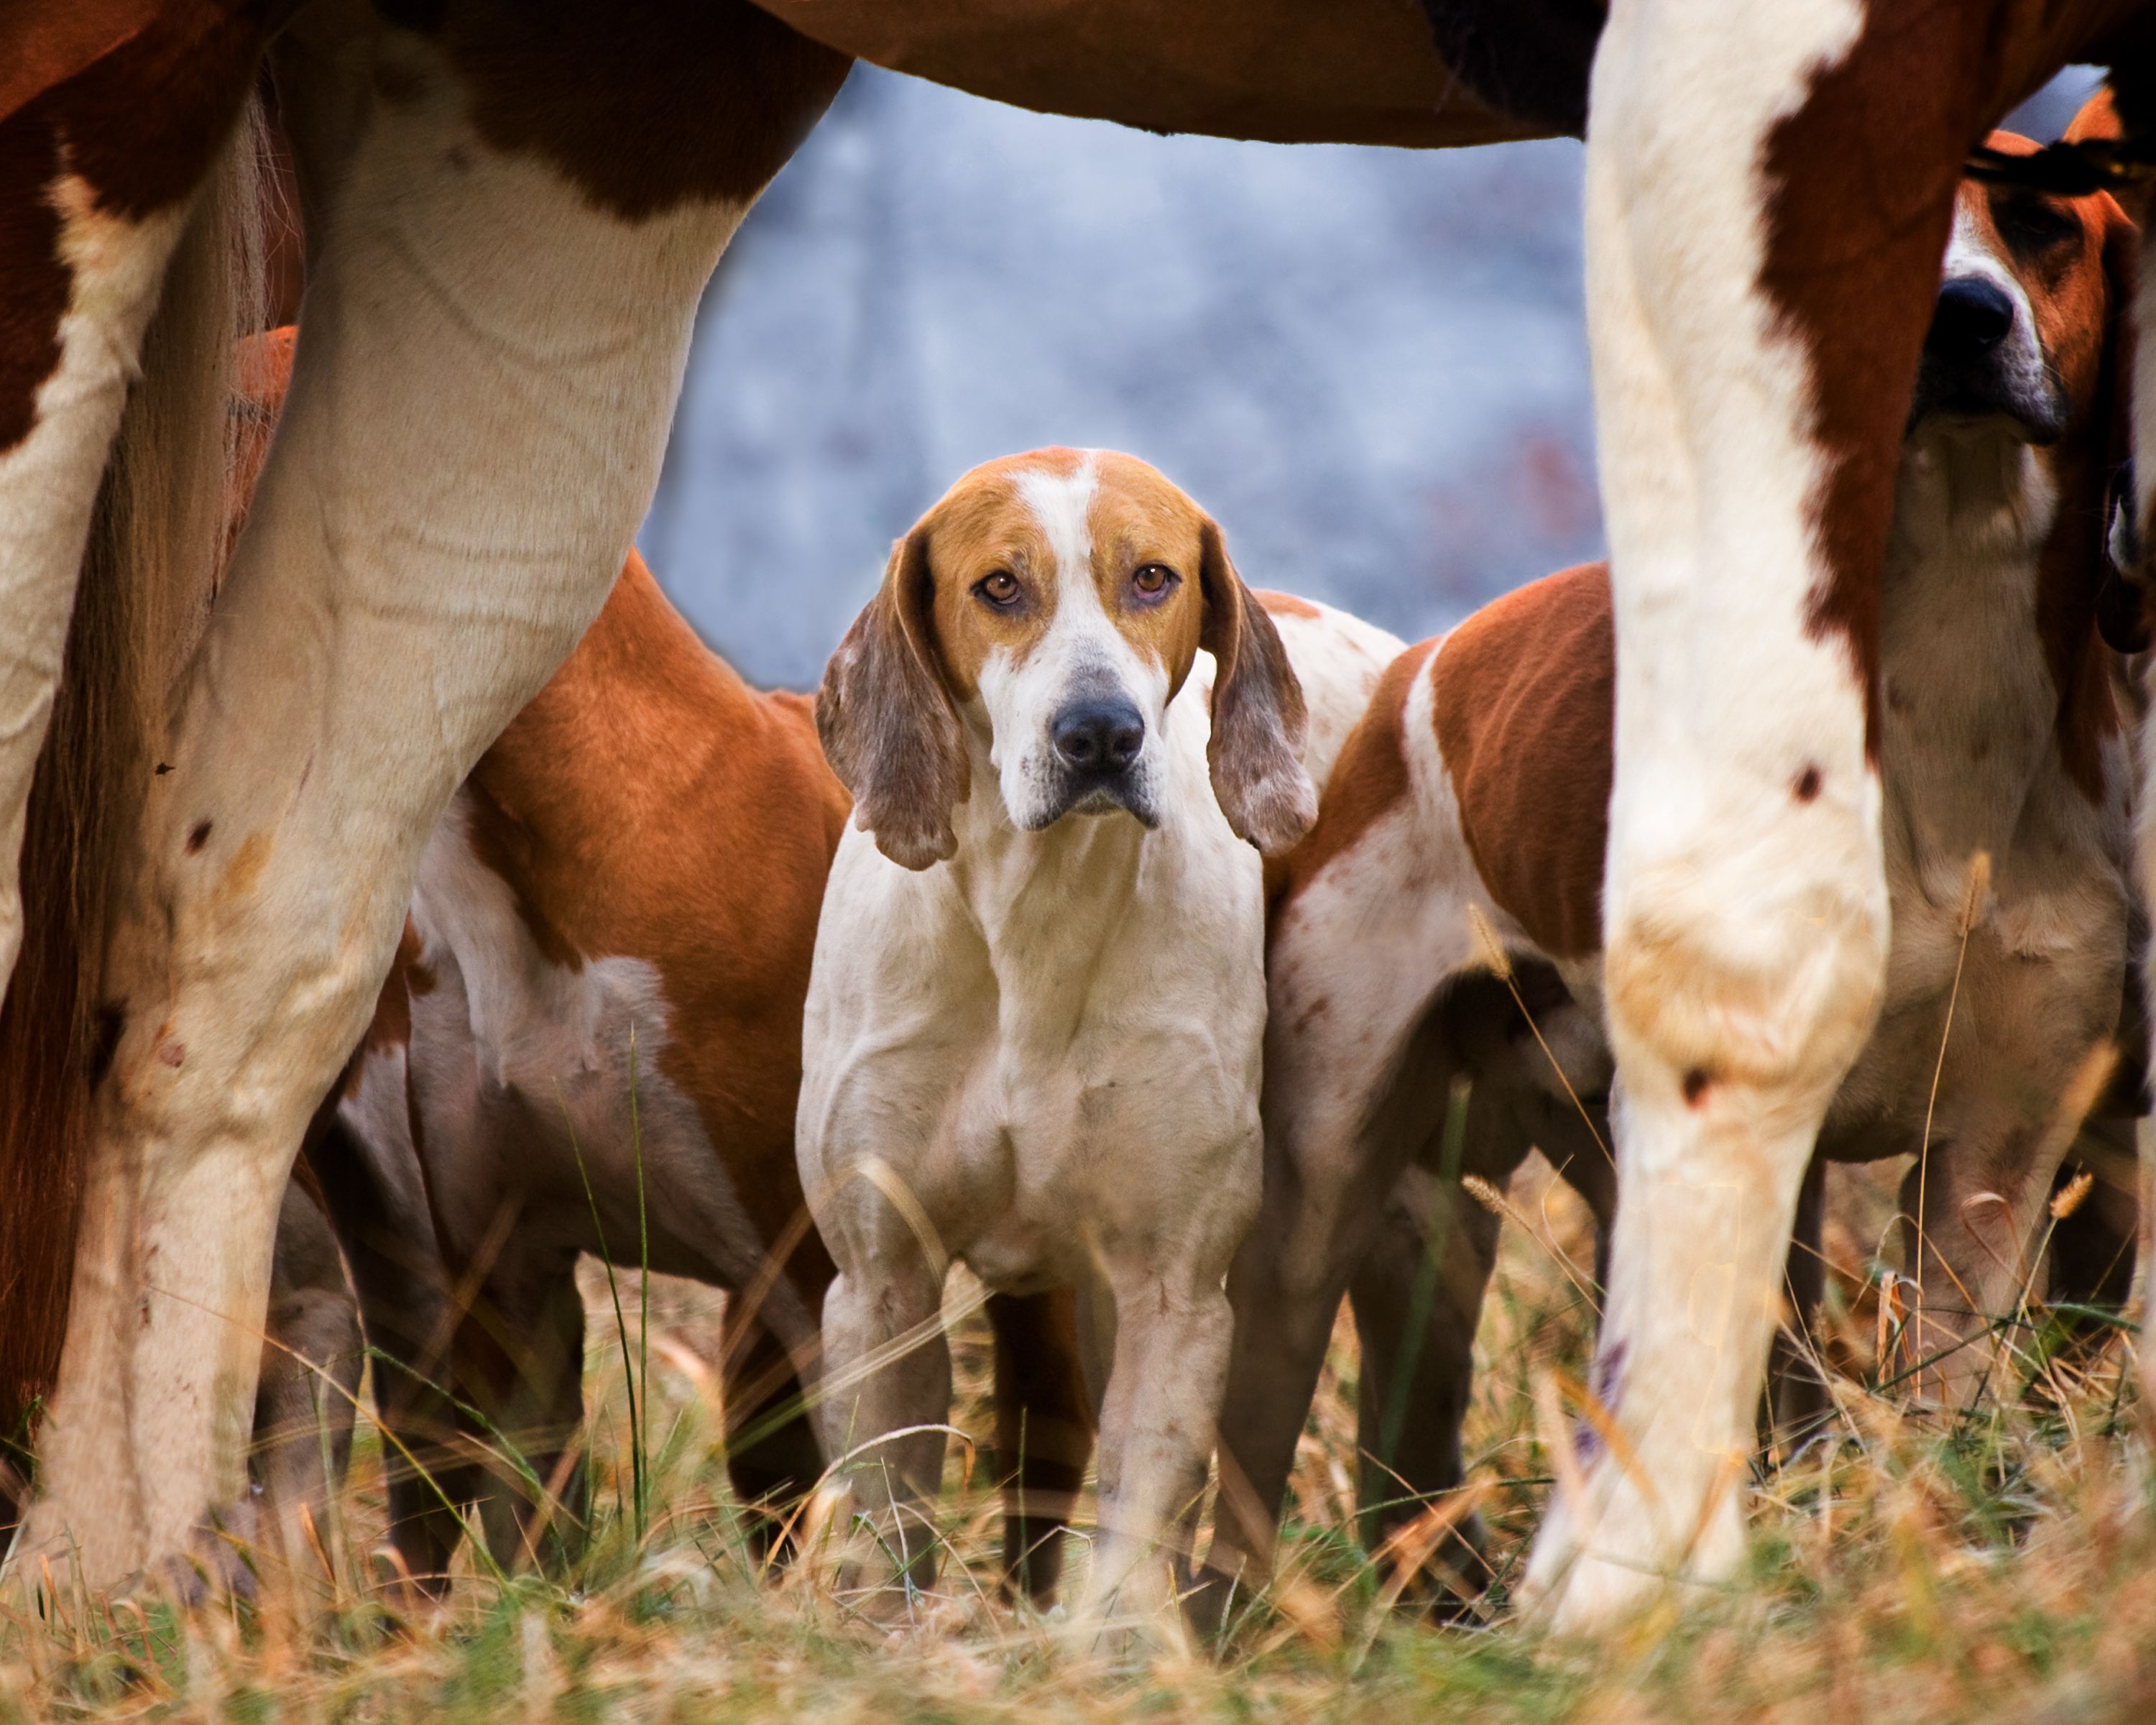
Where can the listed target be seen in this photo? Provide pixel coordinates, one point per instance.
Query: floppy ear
(2123, 598)
(1256, 749)
(2098, 122)
(888, 726)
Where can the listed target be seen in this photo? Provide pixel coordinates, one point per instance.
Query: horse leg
(494, 334)
(1756, 323)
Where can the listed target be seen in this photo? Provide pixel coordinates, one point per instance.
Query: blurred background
(1370, 365)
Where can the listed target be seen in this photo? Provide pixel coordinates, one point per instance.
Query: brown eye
(1152, 580)
(1001, 588)
(2030, 223)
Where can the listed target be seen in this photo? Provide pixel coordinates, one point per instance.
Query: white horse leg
(1756, 328)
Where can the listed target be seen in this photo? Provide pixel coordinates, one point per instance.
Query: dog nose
(1972, 317)
(1101, 737)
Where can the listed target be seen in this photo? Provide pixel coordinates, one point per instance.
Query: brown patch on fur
(139, 122)
(1525, 712)
(1369, 777)
(1283, 604)
(1255, 752)
(1859, 183)
(646, 104)
(666, 811)
(1349, 72)
(885, 717)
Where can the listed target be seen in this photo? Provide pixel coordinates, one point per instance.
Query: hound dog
(1035, 1020)
(1440, 925)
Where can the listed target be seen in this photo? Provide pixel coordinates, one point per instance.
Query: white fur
(1337, 659)
(475, 423)
(1081, 651)
(1049, 1046)
(1969, 255)
(49, 483)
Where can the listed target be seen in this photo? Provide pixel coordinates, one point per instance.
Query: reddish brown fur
(140, 124)
(655, 806)
(644, 103)
(1853, 249)
(1352, 71)
(1525, 703)
(1283, 604)
(1369, 778)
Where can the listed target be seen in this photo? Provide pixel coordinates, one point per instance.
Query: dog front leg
(1969, 1227)
(886, 1386)
(1157, 1432)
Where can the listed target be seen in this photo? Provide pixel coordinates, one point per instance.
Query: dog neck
(1061, 891)
(1971, 709)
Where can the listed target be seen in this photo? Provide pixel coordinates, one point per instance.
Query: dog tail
(156, 539)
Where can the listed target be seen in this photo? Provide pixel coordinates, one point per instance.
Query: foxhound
(1443, 923)
(1035, 1019)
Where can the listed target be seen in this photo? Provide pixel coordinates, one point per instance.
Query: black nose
(1099, 737)
(1972, 317)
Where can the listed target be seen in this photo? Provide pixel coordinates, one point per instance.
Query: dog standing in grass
(1036, 1010)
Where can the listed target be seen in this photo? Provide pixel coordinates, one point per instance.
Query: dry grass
(1995, 1567)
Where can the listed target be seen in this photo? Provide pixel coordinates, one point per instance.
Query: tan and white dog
(1037, 1007)
(1442, 921)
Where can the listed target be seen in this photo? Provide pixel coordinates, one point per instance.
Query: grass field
(1997, 1566)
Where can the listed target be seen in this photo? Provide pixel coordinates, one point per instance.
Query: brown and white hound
(1442, 924)
(1033, 1032)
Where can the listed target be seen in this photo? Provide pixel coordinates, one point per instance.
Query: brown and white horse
(511, 211)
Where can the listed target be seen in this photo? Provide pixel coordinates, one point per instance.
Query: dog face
(1055, 602)
(2032, 285)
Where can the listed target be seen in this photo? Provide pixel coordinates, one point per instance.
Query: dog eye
(1153, 580)
(2032, 224)
(1000, 589)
